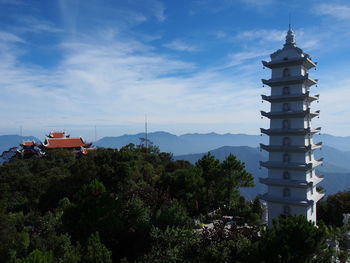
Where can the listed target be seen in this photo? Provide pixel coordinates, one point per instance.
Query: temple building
(291, 181)
(59, 140)
(29, 149)
(55, 140)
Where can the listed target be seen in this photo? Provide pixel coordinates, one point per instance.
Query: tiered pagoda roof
(305, 61)
(292, 165)
(285, 131)
(291, 148)
(292, 201)
(57, 140)
(26, 144)
(291, 80)
(58, 134)
(290, 114)
(293, 183)
(292, 97)
(51, 143)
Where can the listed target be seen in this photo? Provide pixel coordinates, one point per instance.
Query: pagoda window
(286, 175)
(285, 124)
(286, 141)
(286, 158)
(286, 72)
(286, 91)
(286, 210)
(286, 106)
(286, 192)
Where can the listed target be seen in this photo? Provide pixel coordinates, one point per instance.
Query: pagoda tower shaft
(291, 180)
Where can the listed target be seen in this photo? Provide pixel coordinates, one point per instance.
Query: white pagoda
(291, 180)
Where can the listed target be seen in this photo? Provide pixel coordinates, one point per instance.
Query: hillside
(184, 144)
(196, 142)
(9, 141)
(335, 169)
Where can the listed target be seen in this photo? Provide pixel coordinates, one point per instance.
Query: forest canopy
(136, 204)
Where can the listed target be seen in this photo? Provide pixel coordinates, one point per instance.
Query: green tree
(293, 239)
(95, 251)
(171, 245)
(222, 181)
(38, 256)
(332, 209)
(175, 215)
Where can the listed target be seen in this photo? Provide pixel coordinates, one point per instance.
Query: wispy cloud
(258, 3)
(158, 9)
(181, 45)
(33, 24)
(9, 37)
(115, 80)
(12, 2)
(334, 10)
(266, 35)
(240, 57)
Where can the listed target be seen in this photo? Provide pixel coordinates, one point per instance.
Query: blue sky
(191, 66)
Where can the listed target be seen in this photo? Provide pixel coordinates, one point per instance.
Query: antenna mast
(146, 132)
(290, 21)
(95, 134)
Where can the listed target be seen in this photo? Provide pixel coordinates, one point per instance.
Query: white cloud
(240, 57)
(181, 45)
(266, 35)
(159, 11)
(116, 82)
(9, 37)
(33, 24)
(334, 10)
(258, 3)
(12, 2)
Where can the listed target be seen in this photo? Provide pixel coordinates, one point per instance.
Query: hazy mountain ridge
(9, 141)
(186, 143)
(336, 177)
(336, 166)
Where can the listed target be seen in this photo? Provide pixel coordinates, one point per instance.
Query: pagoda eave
(305, 61)
(290, 114)
(292, 97)
(290, 81)
(291, 166)
(284, 182)
(282, 200)
(290, 131)
(279, 148)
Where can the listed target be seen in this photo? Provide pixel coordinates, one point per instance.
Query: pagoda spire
(290, 38)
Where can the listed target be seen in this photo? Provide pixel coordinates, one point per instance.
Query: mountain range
(191, 147)
(197, 142)
(336, 172)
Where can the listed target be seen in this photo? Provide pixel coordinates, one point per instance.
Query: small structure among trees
(55, 140)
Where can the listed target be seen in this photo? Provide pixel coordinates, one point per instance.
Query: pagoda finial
(290, 38)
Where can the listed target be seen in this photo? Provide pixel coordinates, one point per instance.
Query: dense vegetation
(139, 205)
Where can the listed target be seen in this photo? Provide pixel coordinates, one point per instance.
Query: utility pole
(146, 133)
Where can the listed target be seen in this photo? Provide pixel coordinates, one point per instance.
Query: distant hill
(196, 142)
(338, 142)
(250, 156)
(9, 141)
(337, 174)
(186, 143)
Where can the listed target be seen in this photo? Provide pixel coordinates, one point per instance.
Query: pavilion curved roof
(65, 143)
